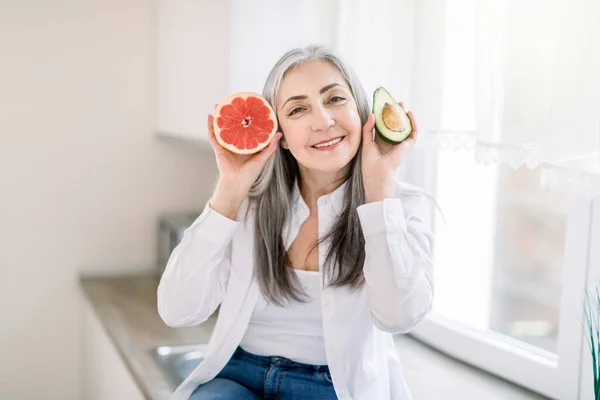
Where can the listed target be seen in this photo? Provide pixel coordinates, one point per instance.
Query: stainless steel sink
(179, 361)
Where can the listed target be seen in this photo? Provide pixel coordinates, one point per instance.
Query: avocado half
(392, 123)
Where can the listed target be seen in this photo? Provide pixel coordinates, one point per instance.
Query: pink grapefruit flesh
(244, 123)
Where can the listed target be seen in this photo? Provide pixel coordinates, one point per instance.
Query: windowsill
(431, 374)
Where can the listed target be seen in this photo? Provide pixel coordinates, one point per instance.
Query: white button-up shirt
(213, 265)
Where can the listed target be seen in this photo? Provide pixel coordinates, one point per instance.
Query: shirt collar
(334, 199)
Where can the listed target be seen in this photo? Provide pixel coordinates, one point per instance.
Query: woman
(311, 248)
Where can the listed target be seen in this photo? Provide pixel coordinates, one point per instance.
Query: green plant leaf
(592, 317)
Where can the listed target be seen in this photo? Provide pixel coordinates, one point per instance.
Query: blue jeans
(250, 377)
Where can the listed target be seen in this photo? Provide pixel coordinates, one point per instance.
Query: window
(505, 236)
(509, 270)
(512, 259)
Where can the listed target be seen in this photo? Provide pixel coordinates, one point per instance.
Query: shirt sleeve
(398, 266)
(196, 275)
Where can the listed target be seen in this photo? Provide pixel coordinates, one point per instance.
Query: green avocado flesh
(391, 121)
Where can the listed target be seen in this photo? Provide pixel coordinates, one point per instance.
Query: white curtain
(518, 81)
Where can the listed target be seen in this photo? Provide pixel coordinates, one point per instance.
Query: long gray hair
(270, 199)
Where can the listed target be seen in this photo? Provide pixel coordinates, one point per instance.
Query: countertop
(126, 307)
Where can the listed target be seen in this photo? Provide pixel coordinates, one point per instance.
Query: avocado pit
(392, 117)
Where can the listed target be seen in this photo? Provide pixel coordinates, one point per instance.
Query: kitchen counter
(126, 308)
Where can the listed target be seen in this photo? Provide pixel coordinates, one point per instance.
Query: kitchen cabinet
(105, 376)
(208, 49)
(192, 65)
(261, 31)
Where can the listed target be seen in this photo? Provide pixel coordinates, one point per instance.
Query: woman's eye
(335, 99)
(295, 111)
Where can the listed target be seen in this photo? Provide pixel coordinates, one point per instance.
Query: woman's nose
(322, 120)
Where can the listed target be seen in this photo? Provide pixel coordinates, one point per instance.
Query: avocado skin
(385, 138)
(377, 129)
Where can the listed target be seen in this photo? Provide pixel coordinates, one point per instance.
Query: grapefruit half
(244, 123)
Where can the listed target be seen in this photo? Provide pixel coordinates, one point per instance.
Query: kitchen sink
(179, 361)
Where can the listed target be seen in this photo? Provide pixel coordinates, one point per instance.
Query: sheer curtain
(507, 95)
(518, 81)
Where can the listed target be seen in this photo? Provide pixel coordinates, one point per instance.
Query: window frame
(586, 380)
(552, 375)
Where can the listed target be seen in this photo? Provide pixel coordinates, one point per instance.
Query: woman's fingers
(268, 151)
(368, 129)
(211, 133)
(415, 128)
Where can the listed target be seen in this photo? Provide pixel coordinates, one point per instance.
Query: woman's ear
(283, 142)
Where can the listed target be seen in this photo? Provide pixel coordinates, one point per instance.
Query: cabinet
(105, 376)
(261, 31)
(208, 49)
(192, 64)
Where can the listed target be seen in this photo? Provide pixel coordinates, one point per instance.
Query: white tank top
(295, 331)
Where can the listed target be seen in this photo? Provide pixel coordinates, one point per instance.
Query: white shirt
(213, 265)
(293, 331)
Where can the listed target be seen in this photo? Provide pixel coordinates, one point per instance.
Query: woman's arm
(195, 278)
(398, 265)
(196, 275)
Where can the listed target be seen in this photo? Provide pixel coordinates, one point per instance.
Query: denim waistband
(277, 360)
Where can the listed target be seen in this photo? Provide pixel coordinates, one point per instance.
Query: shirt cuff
(214, 227)
(382, 216)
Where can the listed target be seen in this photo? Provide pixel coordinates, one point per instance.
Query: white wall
(82, 179)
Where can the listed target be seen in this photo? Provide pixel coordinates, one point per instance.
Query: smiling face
(319, 118)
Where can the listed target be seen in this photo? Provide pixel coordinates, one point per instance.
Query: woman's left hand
(380, 160)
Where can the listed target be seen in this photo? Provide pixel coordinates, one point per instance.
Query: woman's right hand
(237, 173)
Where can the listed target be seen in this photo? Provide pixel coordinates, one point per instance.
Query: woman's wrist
(377, 190)
(227, 199)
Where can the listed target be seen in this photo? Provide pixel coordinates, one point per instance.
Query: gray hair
(270, 198)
